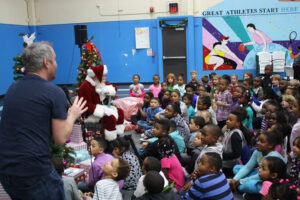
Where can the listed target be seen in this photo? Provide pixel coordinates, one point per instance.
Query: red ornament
(84, 73)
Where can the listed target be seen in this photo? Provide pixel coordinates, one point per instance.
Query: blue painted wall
(115, 41)
(11, 45)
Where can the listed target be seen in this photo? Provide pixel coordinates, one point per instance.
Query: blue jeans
(144, 125)
(48, 187)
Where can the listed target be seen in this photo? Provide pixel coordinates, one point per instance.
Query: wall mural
(232, 38)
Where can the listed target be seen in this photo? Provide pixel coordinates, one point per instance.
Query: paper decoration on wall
(142, 40)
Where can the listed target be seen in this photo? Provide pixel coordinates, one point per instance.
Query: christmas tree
(19, 69)
(61, 152)
(90, 57)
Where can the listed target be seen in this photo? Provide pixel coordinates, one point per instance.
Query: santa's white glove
(108, 111)
(109, 90)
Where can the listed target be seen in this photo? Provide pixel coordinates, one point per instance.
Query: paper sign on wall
(142, 40)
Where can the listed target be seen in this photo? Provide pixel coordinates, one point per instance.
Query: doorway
(174, 51)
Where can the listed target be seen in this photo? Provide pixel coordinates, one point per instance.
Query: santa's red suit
(94, 92)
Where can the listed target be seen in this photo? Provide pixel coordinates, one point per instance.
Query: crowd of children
(205, 140)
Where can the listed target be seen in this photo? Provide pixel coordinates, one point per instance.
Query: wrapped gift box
(76, 136)
(77, 174)
(79, 156)
(86, 165)
(77, 146)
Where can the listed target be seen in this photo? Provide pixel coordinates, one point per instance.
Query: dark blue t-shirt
(25, 130)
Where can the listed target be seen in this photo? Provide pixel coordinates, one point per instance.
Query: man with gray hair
(34, 111)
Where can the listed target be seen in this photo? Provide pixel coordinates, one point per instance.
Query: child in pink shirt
(155, 88)
(170, 164)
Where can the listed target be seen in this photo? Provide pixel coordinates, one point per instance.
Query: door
(174, 51)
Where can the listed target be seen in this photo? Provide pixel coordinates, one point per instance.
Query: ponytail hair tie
(281, 181)
(292, 187)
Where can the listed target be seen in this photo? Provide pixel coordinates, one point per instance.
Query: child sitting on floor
(195, 126)
(211, 183)
(150, 164)
(108, 187)
(246, 178)
(150, 112)
(170, 164)
(142, 109)
(272, 169)
(121, 149)
(161, 129)
(187, 99)
(209, 136)
(180, 86)
(70, 187)
(191, 89)
(154, 185)
(164, 87)
(97, 149)
(204, 104)
(174, 134)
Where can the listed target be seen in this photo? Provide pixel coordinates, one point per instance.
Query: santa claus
(95, 90)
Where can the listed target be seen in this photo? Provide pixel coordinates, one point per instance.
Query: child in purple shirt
(97, 148)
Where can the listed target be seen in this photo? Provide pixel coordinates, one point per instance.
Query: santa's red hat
(97, 71)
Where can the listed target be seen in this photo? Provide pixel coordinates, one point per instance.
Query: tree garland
(164, 24)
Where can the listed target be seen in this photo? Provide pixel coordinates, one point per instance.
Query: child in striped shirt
(212, 183)
(108, 188)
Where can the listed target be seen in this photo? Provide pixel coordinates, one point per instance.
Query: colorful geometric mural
(232, 38)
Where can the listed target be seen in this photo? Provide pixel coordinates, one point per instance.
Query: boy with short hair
(223, 103)
(174, 134)
(212, 183)
(205, 81)
(195, 126)
(151, 112)
(161, 129)
(266, 78)
(97, 149)
(108, 188)
(257, 89)
(209, 138)
(194, 81)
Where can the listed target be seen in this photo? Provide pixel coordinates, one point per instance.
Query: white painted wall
(76, 11)
(13, 12)
(43, 12)
(201, 5)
